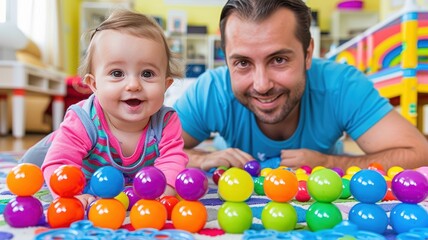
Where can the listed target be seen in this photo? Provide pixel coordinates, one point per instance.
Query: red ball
(67, 181)
(169, 203)
(217, 174)
(302, 192)
(389, 196)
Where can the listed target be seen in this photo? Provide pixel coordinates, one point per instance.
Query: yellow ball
(123, 198)
(265, 171)
(235, 185)
(352, 170)
(302, 176)
(347, 176)
(317, 168)
(392, 171)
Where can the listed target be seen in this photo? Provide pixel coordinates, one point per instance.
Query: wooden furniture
(19, 79)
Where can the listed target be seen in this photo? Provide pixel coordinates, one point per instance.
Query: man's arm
(393, 141)
(205, 160)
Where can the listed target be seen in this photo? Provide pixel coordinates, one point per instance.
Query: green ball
(321, 216)
(279, 216)
(258, 185)
(346, 191)
(325, 185)
(235, 217)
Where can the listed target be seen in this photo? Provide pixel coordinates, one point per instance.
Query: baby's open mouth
(133, 102)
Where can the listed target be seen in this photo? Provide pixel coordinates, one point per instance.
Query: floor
(11, 144)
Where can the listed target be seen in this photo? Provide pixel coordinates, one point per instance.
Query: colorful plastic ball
(410, 186)
(347, 176)
(67, 181)
(217, 174)
(325, 185)
(169, 203)
(23, 211)
(149, 183)
(407, 216)
(317, 168)
(281, 185)
(279, 216)
(346, 192)
(190, 216)
(107, 182)
(376, 166)
(123, 198)
(25, 179)
(302, 177)
(265, 171)
(235, 217)
(321, 216)
(63, 211)
(132, 197)
(258, 185)
(302, 192)
(352, 170)
(191, 184)
(307, 169)
(147, 213)
(423, 170)
(235, 185)
(368, 186)
(253, 168)
(389, 196)
(392, 171)
(107, 213)
(369, 217)
(339, 171)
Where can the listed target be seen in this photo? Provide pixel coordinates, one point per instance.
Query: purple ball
(23, 212)
(410, 186)
(339, 171)
(149, 183)
(133, 198)
(253, 168)
(191, 184)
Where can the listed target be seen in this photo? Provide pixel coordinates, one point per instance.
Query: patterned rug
(211, 230)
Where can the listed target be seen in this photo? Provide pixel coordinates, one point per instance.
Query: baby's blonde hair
(136, 24)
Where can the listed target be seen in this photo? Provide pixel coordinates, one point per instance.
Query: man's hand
(298, 157)
(230, 157)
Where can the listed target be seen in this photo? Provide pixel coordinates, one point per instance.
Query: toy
(169, 203)
(235, 217)
(368, 186)
(23, 211)
(191, 184)
(338, 171)
(346, 191)
(107, 213)
(235, 185)
(123, 198)
(63, 211)
(406, 216)
(149, 183)
(259, 185)
(410, 186)
(302, 192)
(107, 182)
(369, 217)
(389, 196)
(324, 185)
(25, 179)
(132, 197)
(189, 216)
(217, 174)
(352, 170)
(253, 168)
(280, 185)
(265, 171)
(148, 213)
(280, 216)
(392, 171)
(67, 181)
(307, 169)
(321, 215)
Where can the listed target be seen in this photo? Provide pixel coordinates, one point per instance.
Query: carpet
(211, 200)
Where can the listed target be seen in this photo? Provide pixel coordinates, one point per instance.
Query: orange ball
(25, 179)
(67, 181)
(148, 213)
(190, 216)
(281, 185)
(64, 211)
(376, 166)
(107, 213)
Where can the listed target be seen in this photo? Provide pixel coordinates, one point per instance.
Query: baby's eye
(117, 73)
(147, 74)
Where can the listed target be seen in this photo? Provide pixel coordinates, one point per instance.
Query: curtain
(40, 21)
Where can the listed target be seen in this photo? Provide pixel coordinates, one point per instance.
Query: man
(274, 100)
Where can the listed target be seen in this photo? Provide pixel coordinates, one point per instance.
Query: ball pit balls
(169, 203)
(149, 183)
(368, 186)
(389, 196)
(253, 168)
(392, 171)
(107, 182)
(423, 170)
(346, 192)
(325, 185)
(265, 171)
(217, 174)
(352, 170)
(132, 196)
(321, 216)
(376, 166)
(25, 179)
(279, 216)
(147, 213)
(407, 216)
(339, 171)
(23, 211)
(302, 192)
(369, 217)
(63, 211)
(280, 185)
(123, 198)
(235, 217)
(191, 184)
(67, 181)
(307, 169)
(190, 216)
(235, 185)
(258, 185)
(107, 213)
(410, 186)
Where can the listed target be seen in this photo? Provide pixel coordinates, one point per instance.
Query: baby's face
(129, 76)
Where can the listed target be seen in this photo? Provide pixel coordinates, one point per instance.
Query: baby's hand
(169, 191)
(85, 199)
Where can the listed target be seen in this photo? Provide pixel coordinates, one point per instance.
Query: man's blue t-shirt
(338, 98)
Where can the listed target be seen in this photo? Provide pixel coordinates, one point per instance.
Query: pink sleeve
(70, 145)
(172, 158)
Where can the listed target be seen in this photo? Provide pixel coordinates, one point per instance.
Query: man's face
(267, 64)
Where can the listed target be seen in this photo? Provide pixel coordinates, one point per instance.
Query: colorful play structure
(394, 55)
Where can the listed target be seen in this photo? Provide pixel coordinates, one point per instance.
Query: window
(2, 11)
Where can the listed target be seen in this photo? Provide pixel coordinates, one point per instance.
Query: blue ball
(369, 217)
(368, 186)
(107, 182)
(406, 216)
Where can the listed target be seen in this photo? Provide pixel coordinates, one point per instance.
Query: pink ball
(423, 170)
(191, 184)
(410, 186)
